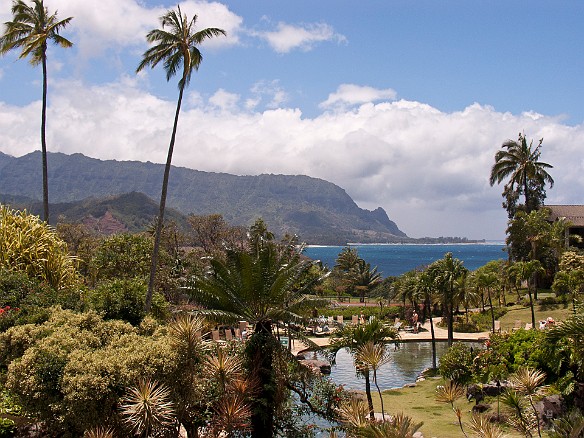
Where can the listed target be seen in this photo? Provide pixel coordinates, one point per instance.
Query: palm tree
(488, 280)
(31, 30)
(363, 278)
(176, 48)
(526, 271)
(425, 288)
(445, 274)
(374, 356)
(263, 286)
(355, 337)
(527, 175)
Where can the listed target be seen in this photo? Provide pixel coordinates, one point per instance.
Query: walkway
(440, 334)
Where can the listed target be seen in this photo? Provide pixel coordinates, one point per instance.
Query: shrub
(124, 299)
(7, 427)
(457, 364)
(71, 370)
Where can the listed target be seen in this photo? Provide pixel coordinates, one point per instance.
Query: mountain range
(88, 189)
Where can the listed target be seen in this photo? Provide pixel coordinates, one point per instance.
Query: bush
(71, 370)
(124, 299)
(457, 364)
(7, 427)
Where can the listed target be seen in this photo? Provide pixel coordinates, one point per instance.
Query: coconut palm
(176, 45)
(445, 273)
(31, 30)
(527, 176)
(263, 286)
(355, 337)
(363, 278)
(425, 288)
(526, 271)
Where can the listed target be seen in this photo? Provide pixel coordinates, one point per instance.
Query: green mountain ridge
(318, 211)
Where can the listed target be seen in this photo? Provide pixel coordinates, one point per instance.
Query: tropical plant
(30, 246)
(445, 274)
(147, 408)
(425, 288)
(363, 278)
(526, 271)
(263, 286)
(374, 356)
(527, 176)
(449, 393)
(572, 331)
(176, 47)
(483, 428)
(526, 382)
(31, 29)
(353, 338)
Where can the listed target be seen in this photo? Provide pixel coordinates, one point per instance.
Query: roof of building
(572, 213)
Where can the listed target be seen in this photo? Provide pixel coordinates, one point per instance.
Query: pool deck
(439, 333)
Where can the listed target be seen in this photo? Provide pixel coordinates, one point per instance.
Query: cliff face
(317, 210)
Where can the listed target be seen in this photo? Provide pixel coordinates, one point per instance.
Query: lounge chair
(398, 325)
(355, 320)
(497, 326)
(517, 325)
(528, 326)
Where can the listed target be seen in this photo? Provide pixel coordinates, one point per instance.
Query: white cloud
(99, 26)
(429, 169)
(288, 37)
(270, 91)
(351, 94)
(224, 100)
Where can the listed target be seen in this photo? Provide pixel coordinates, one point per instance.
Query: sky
(402, 103)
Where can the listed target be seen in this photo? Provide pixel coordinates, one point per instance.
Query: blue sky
(401, 103)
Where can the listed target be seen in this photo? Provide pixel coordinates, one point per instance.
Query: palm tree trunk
(368, 392)
(43, 138)
(533, 326)
(379, 392)
(160, 219)
(433, 339)
(260, 352)
(492, 310)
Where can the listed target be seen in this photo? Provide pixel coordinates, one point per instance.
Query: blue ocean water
(394, 260)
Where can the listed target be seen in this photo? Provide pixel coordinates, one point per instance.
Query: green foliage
(529, 348)
(7, 427)
(124, 299)
(457, 364)
(123, 256)
(30, 246)
(482, 320)
(71, 370)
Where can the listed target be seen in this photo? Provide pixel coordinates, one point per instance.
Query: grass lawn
(558, 312)
(420, 404)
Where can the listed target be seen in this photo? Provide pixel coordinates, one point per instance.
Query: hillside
(318, 211)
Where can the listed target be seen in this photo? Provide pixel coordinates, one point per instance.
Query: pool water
(406, 364)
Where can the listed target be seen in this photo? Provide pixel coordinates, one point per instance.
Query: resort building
(574, 215)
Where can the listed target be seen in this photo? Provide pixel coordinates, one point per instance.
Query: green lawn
(558, 312)
(420, 404)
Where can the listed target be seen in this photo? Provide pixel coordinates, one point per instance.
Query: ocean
(394, 260)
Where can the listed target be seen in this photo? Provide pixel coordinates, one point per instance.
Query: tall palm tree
(445, 274)
(31, 30)
(176, 45)
(519, 162)
(364, 278)
(264, 285)
(355, 337)
(425, 288)
(526, 271)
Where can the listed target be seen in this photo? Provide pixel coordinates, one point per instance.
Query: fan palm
(31, 30)
(176, 45)
(355, 337)
(263, 286)
(527, 175)
(374, 356)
